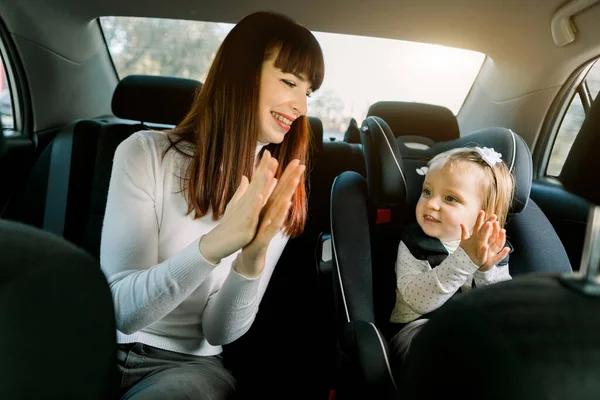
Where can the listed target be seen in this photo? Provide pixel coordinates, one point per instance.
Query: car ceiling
(486, 26)
(515, 34)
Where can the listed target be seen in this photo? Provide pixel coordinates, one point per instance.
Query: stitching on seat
(387, 361)
(337, 264)
(391, 151)
(514, 155)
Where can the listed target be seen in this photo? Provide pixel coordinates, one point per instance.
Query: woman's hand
(251, 261)
(242, 214)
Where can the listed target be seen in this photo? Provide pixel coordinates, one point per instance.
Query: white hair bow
(489, 155)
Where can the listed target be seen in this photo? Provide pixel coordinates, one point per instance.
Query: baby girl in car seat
(458, 241)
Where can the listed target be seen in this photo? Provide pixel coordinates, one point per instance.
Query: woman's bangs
(304, 57)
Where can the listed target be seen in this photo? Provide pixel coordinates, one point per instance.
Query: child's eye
(451, 199)
(426, 192)
(289, 83)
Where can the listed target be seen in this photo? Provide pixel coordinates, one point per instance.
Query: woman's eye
(289, 83)
(451, 199)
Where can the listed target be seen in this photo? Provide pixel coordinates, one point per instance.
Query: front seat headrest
(316, 131)
(579, 171)
(394, 181)
(156, 99)
(352, 134)
(417, 119)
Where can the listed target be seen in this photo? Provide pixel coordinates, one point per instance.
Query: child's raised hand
(476, 244)
(496, 250)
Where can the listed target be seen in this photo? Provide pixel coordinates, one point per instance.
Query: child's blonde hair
(499, 190)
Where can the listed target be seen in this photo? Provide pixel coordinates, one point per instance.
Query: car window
(572, 120)
(593, 80)
(6, 108)
(409, 71)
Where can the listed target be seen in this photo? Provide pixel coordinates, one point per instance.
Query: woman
(197, 217)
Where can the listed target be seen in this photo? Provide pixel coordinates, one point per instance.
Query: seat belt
(57, 194)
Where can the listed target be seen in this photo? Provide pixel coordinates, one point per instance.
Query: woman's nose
(299, 105)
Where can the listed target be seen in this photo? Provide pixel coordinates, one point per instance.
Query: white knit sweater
(165, 293)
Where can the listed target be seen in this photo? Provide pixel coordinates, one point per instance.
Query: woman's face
(282, 100)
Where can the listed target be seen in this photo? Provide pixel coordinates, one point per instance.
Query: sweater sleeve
(143, 290)
(425, 289)
(231, 310)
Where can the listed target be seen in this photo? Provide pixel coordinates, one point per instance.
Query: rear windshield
(408, 71)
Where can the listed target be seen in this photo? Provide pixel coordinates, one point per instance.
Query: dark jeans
(147, 372)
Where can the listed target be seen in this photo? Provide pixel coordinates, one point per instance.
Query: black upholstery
(534, 340)
(286, 301)
(352, 134)
(541, 331)
(393, 178)
(2, 144)
(94, 141)
(158, 99)
(417, 119)
(57, 329)
(365, 243)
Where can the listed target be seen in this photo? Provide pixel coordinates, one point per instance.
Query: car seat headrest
(394, 181)
(316, 131)
(352, 134)
(579, 171)
(417, 119)
(154, 99)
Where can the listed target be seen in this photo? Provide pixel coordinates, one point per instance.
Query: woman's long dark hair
(222, 125)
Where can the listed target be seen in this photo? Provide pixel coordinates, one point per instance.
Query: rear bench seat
(295, 323)
(67, 189)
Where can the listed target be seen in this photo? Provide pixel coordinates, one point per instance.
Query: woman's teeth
(281, 118)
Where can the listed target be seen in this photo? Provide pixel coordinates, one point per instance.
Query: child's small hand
(476, 245)
(496, 250)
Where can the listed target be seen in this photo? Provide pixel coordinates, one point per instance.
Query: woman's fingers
(270, 190)
(287, 184)
(289, 170)
(273, 222)
(243, 186)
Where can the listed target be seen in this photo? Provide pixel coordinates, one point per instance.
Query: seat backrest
(537, 335)
(138, 102)
(417, 120)
(56, 315)
(392, 189)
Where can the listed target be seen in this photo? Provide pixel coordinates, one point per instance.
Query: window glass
(408, 71)
(593, 80)
(6, 108)
(571, 123)
(567, 132)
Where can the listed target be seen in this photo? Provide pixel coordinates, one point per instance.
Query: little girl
(458, 240)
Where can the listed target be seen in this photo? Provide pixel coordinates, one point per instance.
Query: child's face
(451, 196)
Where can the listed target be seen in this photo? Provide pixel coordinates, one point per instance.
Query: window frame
(17, 85)
(575, 85)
